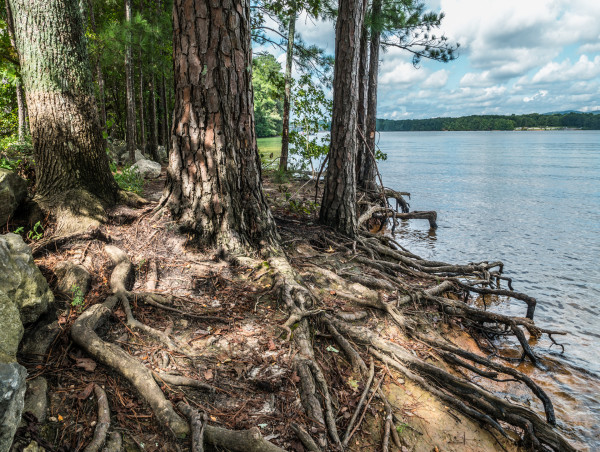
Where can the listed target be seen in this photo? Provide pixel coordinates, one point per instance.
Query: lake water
(532, 200)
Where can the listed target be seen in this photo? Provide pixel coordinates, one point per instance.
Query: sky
(515, 56)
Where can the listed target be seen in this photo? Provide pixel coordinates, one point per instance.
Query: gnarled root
(103, 422)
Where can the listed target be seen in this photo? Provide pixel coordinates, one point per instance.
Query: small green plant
(128, 179)
(19, 230)
(77, 297)
(36, 233)
(401, 428)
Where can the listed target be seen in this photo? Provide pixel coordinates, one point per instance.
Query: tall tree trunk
(164, 121)
(141, 110)
(362, 95)
(21, 110)
(367, 171)
(67, 138)
(99, 75)
(338, 208)
(130, 92)
(289, 60)
(153, 120)
(213, 182)
(21, 106)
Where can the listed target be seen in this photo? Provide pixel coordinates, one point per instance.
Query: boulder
(139, 156)
(21, 282)
(36, 398)
(162, 153)
(70, 275)
(13, 190)
(147, 169)
(12, 400)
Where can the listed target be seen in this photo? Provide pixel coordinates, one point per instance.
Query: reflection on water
(532, 200)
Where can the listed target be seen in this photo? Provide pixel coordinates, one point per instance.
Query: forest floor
(229, 319)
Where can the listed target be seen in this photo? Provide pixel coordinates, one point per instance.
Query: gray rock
(36, 398)
(12, 396)
(139, 156)
(147, 169)
(13, 190)
(11, 329)
(21, 282)
(34, 447)
(162, 153)
(70, 275)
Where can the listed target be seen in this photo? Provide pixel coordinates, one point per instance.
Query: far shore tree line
(569, 120)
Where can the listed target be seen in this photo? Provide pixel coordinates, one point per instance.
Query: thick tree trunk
(338, 208)
(362, 95)
(213, 181)
(130, 92)
(67, 138)
(289, 59)
(367, 172)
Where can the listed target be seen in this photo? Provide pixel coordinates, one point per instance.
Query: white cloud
(396, 72)
(583, 69)
(538, 95)
(436, 80)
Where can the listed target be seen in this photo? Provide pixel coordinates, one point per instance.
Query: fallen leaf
(86, 364)
(208, 375)
(272, 345)
(86, 392)
(60, 418)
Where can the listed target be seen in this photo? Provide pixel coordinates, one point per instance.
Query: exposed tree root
(103, 422)
(242, 441)
(55, 242)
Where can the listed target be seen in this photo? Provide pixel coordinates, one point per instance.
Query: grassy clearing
(266, 146)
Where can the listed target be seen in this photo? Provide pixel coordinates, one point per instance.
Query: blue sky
(516, 56)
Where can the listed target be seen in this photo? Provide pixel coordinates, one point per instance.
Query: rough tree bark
(289, 60)
(213, 180)
(71, 164)
(366, 175)
(130, 92)
(338, 208)
(153, 120)
(362, 92)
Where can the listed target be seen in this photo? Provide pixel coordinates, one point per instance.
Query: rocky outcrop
(21, 282)
(13, 190)
(147, 169)
(139, 156)
(12, 400)
(24, 297)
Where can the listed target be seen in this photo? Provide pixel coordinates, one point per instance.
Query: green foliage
(311, 114)
(401, 428)
(128, 179)
(268, 85)
(494, 122)
(36, 233)
(77, 299)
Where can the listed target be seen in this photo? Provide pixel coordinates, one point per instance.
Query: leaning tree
(72, 172)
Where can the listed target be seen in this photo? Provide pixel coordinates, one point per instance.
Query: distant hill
(558, 120)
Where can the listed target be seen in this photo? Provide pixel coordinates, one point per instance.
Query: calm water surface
(532, 200)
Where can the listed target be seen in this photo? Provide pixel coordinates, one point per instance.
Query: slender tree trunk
(21, 106)
(22, 110)
(164, 121)
(130, 93)
(67, 138)
(362, 95)
(338, 208)
(153, 121)
(99, 75)
(289, 60)
(367, 172)
(141, 110)
(213, 182)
